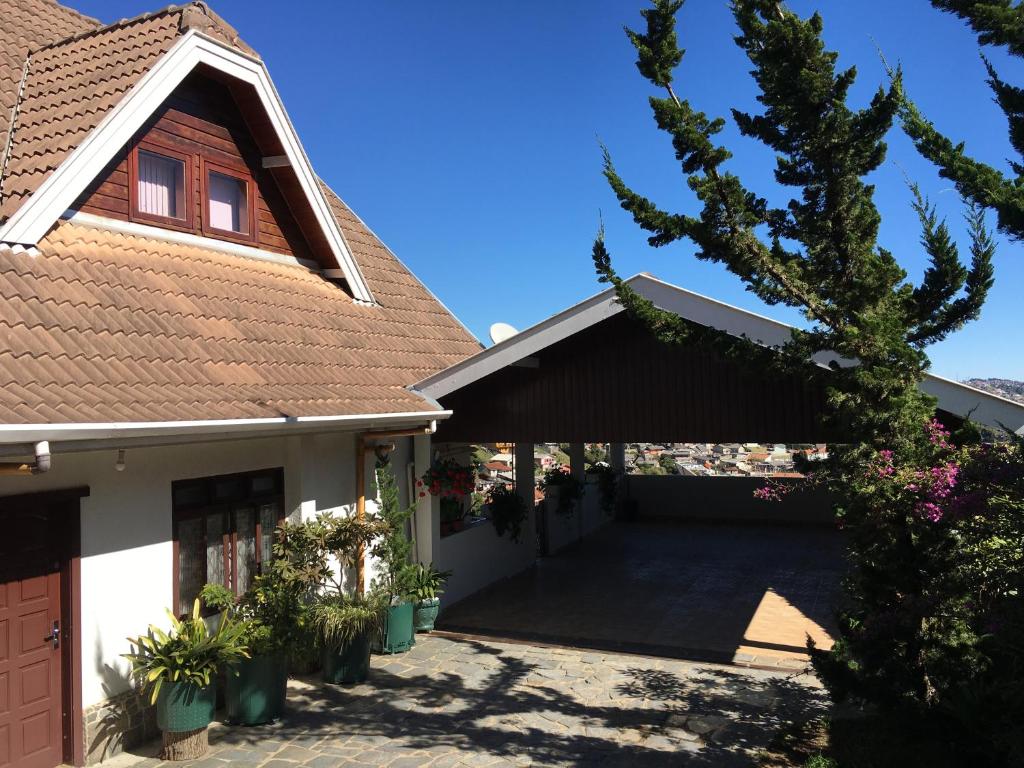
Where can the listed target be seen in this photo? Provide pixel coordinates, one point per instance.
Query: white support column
(577, 461)
(617, 460)
(617, 456)
(578, 469)
(525, 481)
(525, 484)
(428, 508)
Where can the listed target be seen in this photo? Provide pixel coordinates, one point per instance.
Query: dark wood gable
(615, 382)
(201, 120)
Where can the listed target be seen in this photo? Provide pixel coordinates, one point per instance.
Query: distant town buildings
(693, 459)
(720, 459)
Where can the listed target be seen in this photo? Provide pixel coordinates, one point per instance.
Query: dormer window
(160, 188)
(227, 202)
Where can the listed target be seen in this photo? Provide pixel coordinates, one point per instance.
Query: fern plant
(189, 653)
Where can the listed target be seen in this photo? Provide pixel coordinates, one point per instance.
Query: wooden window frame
(185, 224)
(241, 174)
(209, 505)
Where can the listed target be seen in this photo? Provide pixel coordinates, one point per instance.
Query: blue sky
(466, 135)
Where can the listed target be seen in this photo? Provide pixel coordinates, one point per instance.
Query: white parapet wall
(478, 557)
(725, 499)
(564, 530)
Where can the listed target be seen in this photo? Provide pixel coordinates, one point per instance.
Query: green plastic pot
(256, 690)
(425, 614)
(183, 707)
(399, 635)
(348, 664)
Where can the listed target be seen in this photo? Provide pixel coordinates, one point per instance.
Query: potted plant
(313, 558)
(178, 669)
(427, 587)
(346, 626)
(392, 551)
(507, 511)
(271, 614)
(561, 485)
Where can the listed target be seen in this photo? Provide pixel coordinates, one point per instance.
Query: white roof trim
(32, 433)
(33, 219)
(954, 397)
(151, 232)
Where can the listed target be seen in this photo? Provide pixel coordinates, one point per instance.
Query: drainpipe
(37, 467)
(362, 448)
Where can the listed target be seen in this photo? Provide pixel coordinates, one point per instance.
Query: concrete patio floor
(746, 594)
(457, 703)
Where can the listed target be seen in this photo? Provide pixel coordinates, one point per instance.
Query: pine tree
(999, 23)
(819, 253)
(392, 550)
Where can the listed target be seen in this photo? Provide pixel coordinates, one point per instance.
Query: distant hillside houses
(739, 459)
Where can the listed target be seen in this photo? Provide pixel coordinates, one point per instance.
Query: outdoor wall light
(119, 464)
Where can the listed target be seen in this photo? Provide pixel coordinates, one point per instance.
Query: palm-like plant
(189, 653)
(427, 582)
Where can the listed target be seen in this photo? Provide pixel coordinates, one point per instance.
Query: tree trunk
(185, 745)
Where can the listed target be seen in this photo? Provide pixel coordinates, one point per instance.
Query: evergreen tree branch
(948, 314)
(975, 181)
(946, 275)
(996, 22)
(725, 231)
(671, 328)
(1011, 101)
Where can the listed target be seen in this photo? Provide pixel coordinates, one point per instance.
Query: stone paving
(742, 593)
(457, 703)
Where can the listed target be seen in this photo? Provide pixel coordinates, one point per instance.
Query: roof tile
(103, 326)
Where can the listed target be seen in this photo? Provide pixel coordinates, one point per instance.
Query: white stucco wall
(127, 567)
(478, 557)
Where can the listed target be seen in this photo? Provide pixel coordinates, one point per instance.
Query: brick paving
(458, 703)
(745, 594)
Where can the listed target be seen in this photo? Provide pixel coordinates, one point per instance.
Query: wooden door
(31, 703)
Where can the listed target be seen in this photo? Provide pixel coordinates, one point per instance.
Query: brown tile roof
(72, 83)
(27, 25)
(103, 326)
(111, 327)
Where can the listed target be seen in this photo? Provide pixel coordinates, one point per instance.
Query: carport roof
(953, 397)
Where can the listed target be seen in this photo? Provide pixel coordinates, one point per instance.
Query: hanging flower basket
(448, 479)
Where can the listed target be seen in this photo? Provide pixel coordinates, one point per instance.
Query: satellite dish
(502, 332)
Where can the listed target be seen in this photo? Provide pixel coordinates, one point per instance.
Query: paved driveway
(748, 594)
(457, 703)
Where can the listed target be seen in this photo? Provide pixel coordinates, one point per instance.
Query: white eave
(94, 435)
(954, 397)
(30, 223)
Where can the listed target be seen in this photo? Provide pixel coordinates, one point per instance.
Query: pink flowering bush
(934, 619)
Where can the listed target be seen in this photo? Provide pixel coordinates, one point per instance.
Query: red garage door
(31, 552)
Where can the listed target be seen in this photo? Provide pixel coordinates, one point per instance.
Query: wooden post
(362, 447)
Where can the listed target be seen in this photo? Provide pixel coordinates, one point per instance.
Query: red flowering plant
(448, 479)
